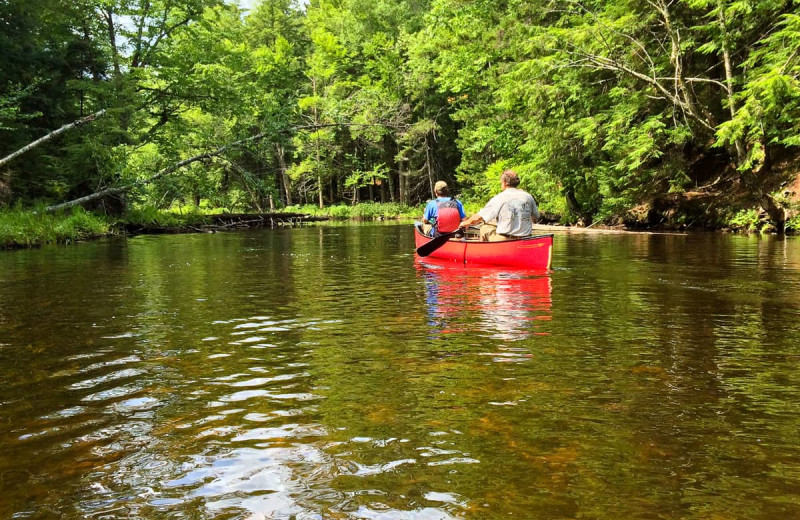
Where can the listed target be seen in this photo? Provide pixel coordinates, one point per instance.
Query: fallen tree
(51, 135)
(118, 190)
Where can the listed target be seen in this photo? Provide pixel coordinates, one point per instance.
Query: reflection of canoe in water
(534, 252)
(509, 303)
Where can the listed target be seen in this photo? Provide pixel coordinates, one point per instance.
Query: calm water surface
(323, 373)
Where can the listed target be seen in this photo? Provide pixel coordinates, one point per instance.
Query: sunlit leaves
(361, 178)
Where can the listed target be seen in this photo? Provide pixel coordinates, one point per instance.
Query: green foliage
(746, 220)
(770, 99)
(364, 210)
(792, 212)
(25, 228)
(360, 178)
(176, 217)
(600, 107)
(793, 223)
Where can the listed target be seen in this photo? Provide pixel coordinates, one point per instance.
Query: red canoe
(534, 252)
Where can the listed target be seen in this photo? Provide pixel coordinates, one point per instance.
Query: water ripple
(122, 374)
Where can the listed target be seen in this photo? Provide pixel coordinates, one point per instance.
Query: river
(324, 373)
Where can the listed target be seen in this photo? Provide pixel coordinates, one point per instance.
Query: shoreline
(230, 222)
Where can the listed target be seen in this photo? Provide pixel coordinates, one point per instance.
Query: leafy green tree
(601, 106)
(608, 102)
(769, 100)
(279, 42)
(319, 105)
(49, 56)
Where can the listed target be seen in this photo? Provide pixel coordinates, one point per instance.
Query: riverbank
(21, 228)
(24, 228)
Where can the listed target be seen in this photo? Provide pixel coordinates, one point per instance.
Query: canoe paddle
(429, 247)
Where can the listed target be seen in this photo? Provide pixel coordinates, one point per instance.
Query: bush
(793, 225)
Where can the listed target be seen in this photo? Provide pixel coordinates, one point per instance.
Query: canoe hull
(534, 252)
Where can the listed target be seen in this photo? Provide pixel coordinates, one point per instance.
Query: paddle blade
(433, 245)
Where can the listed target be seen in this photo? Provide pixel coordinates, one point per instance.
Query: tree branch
(705, 80)
(610, 64)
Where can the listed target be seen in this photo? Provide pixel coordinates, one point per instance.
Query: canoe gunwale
(418, 229)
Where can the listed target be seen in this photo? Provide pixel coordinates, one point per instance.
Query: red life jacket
(447, 216)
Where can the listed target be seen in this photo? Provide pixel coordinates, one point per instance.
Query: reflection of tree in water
(495, 302)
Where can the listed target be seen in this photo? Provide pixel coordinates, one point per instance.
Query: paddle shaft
(437, 242)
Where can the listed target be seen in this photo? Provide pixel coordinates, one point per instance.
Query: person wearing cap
(509, 214)
(442, 214)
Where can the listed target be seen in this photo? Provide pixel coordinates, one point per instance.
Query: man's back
(514, 210)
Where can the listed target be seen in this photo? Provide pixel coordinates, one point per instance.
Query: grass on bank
(183, 215)
(373, 210)
(364, 210)
(29, 228)
(34, 227)
(150, 217)
(753, 221)
(189, 214)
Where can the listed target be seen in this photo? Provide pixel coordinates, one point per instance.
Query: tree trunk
(389, 151)
(429, 166)
(316, 145)
(775, 210)
(403, 181)
(138, 44)
(285, 181)
(392, 190)
(676, 58)
(726, 58)
(108, 14)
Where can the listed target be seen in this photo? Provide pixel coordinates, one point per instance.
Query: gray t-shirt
(514, 210)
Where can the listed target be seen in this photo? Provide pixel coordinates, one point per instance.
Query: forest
(675, 113)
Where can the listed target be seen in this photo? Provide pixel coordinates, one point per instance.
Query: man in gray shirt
(509, 214)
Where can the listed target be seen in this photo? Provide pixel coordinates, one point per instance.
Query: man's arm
(427, 215)
(461, 212)
(535, 212)
(488, 212)
(474, 219)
